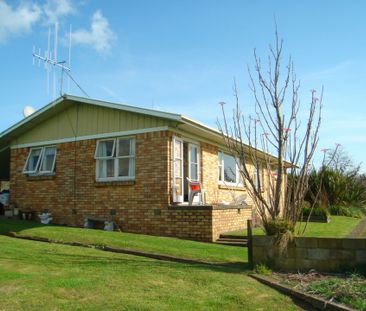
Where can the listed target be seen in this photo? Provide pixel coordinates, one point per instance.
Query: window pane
(105, 148)
(124, 147)
(193, 151)
(48, 159)
(194, 171)
(178, 186)
(220, 158)
(33, 160)
(178, 168)
(124, 167)
(229, 168)
(178, 149)
(106, 168)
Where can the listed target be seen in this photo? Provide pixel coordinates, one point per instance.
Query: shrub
(279, 227)
(262, 269)
(336, 187)
(317, 211)
(341, 210)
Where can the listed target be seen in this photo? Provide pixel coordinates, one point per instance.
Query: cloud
(54, 9)
(19, 20)
(99, 37)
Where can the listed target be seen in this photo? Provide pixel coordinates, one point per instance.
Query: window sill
(232, 187)
(103, 183)
(32, 177)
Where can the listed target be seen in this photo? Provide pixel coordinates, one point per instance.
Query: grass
(35, 275)
(339, 226)
(162, 245)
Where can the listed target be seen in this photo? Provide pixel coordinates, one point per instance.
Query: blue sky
(182, 56)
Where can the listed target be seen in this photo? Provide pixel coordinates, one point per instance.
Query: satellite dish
(27, 111)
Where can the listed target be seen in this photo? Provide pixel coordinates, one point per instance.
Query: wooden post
(250, 242)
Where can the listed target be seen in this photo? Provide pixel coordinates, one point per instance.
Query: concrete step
(232, 242)
(233, 239)
(231, 236)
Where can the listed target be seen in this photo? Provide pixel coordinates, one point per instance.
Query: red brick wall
(74, 186)
(140, 206)
(232, 219)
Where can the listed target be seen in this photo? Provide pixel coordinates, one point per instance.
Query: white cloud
(17, 21)
(54, 9)
(99, 37)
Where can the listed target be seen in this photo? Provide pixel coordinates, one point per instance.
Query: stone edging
(318, 303)
(115, 250)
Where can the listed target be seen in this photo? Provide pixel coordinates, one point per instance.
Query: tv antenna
(51, 62)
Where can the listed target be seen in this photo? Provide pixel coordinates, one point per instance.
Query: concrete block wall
(305, 253)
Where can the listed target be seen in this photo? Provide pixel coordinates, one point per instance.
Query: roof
(184, 123)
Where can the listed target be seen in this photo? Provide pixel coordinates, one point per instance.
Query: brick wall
(229, 219)
(73, 192)
(216, 193)
(140, 206)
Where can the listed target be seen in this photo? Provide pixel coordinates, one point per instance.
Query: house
(78, 157)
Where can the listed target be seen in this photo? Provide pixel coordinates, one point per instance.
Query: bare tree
(274, 149)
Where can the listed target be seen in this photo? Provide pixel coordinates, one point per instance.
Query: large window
(228, 170)
(115, 159)
(41, 160)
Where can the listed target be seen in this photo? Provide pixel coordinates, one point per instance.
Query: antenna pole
(55, 59)
(51, 63)
(48, 56)
(69, 63)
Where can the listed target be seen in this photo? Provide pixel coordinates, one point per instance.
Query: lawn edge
(317, 302)
(127, 251)
(358, 230)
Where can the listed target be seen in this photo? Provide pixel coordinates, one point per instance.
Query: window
(228, 169)
(115, 159)
(41, 160)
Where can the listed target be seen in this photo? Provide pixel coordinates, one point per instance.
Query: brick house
(78, 157)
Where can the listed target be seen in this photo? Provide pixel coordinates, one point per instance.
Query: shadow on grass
(17, 225)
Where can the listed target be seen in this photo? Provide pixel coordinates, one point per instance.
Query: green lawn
(162, 245)
(42, 276)
(339, 226)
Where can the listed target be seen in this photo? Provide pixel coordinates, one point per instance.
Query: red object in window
(195, 187)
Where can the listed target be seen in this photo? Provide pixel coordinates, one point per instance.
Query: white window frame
(114, 156)
(38, 170)
(221, 166)
(43, 157)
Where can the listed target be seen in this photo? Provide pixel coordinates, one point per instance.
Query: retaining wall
(305, 253)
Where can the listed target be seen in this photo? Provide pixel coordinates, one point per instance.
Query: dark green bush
(341, 210)
(317, 211)
(336, 187)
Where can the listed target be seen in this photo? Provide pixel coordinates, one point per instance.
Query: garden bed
(349, 290)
